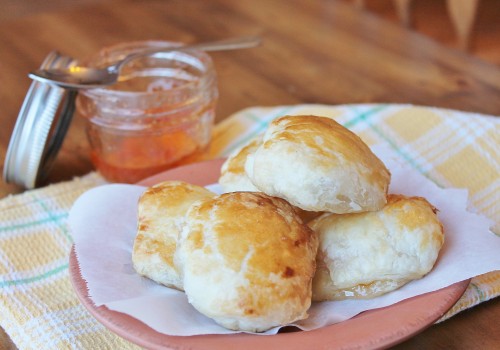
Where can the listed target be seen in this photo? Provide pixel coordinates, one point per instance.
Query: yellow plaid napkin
(38, 308)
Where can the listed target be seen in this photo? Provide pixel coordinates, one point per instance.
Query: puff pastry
(364, 255)
(318, 165)
(161, 213)
(247, 261)
(233, 177)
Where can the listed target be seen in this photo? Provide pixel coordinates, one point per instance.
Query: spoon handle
(226, 44)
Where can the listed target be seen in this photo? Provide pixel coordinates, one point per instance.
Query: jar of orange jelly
(158, 116)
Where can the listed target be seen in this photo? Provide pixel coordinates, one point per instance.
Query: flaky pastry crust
(318, 165)
(161, 212)
(364, 255)
(247, 261)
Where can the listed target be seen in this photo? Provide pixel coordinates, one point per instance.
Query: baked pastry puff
(364, 255)
(233, 177)
(160, 216)
(318, 165)
(247, 261)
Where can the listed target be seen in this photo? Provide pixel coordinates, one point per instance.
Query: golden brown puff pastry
(160, 215)
(233, 177)
(247, 261)
(318, 165)
(364, 255)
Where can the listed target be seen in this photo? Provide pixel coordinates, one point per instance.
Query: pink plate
(378, 328)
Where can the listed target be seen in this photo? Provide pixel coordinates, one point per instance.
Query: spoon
(78, 77)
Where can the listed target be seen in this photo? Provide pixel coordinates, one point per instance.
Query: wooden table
(313, 52)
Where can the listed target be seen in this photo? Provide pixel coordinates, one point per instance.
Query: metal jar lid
(40, 128)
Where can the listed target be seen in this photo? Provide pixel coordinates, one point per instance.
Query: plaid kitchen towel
(38, 308)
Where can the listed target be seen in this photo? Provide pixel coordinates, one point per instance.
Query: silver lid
(40, 128)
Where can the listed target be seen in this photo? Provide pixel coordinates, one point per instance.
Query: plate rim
(139, 333)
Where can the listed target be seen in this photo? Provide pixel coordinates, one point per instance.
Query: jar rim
(199, 54)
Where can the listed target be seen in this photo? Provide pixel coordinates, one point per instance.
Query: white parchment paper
(103, 225)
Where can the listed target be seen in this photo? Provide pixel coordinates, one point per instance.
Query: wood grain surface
(313, 52)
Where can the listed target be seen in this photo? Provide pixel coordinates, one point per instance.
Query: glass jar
(158, 116)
